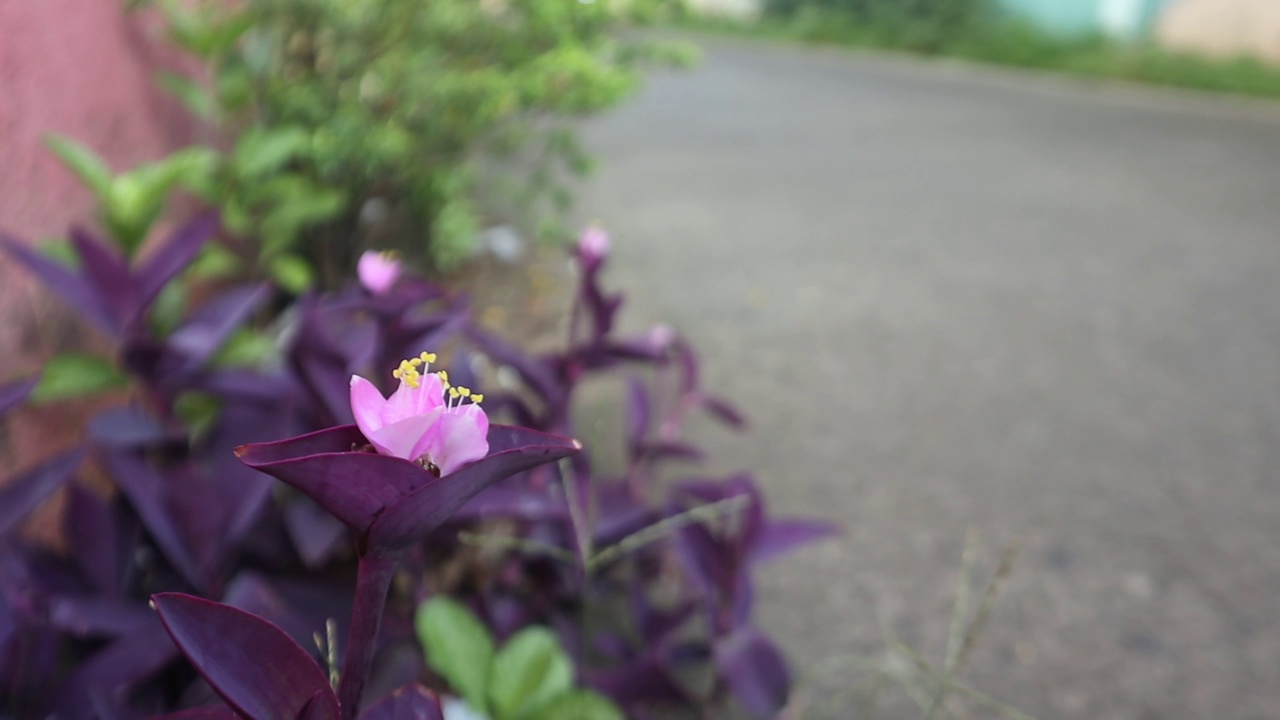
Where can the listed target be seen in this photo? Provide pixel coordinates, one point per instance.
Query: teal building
(1127, 19)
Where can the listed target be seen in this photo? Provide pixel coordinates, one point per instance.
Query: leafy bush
(390, 108)
(920, 25)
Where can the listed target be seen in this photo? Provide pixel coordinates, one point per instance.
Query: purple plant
(390, 477)
(594, 554)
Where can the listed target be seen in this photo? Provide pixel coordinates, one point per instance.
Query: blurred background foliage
(919, 25)
(340, 123)
(987, 31)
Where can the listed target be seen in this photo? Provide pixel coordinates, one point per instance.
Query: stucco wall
(84, 69)
(1223, 27)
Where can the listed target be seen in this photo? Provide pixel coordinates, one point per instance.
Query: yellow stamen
(408, 373)
(427, 357)
(464, 391)
(477, 398)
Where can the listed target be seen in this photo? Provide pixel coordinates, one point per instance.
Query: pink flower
(425, 420)
(593, 244)
(378, 271)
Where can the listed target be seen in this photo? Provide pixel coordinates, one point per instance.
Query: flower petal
(408, 401)
(400, 438)
(377, 271)
(367, 405)
(459, 438)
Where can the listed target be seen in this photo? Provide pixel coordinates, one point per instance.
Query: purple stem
(372, 582)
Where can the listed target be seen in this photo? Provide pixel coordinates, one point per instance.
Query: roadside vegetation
(976, 30)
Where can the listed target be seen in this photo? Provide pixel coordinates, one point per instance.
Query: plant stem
(372, 582)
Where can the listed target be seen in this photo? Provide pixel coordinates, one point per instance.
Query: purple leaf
(16, 392)
(208, 712)
(97, 616)
(125, 427)
(313, 530)
(171, 258)
(72, 288)
(114, 670)
(724, 410)
(779, 537)
(512, 450)
(399, 497)
(354, 486)
(143, 485)
(108, 272)
(20, 495)
(300, 609)
(326, 377)
(645, 681)
(526, 503)
(755, 672)
(246, 384)
(411, 702)
(200, 336)
(252, 665)
(638, 414)
(92, 529)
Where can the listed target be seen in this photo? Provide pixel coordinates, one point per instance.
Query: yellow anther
(453, 393)
(477, 398)
(427, 357)
(464, 391)
(408, 373)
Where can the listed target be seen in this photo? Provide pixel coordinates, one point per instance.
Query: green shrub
(333, 104)
(919, 25)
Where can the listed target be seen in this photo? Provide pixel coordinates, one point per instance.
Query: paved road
(961, 299)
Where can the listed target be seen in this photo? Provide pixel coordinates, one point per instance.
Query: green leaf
(529, 670)
(167, 310)
(215, 262)
(83, 162)
(291, 273)
(197, 410)
(260, 151)
(76, 375)
(189, 93)
(458, 646)
(60, 249)
(246, 348)
(135, 199)
(578, 705)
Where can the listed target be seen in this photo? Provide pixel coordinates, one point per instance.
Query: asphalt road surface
(957, 299)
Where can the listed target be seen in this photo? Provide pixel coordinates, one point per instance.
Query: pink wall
(82, 68)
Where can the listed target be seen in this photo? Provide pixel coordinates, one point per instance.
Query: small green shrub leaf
(76, 375)
(291, 273)
(198, 411)
(190, 94)
(578, 705)
(259, 152)
(83, 162)
(60, 249)
(458, 646)
(530, 670)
